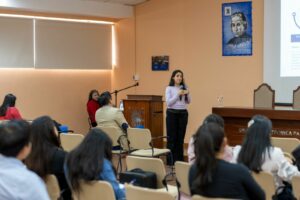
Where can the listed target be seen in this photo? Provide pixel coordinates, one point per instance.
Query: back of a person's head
(257, 143)
(104, 98)
(43, 139)
(9, 101)
(14, 136)
(85, 162)
(209, 141)
(215, 119)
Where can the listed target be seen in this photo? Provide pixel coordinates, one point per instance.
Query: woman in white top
(258, 154)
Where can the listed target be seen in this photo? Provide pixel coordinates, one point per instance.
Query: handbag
(139, 177)
(285, 194)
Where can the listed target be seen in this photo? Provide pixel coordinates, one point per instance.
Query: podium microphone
(137, 84)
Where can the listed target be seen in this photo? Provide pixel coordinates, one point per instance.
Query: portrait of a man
(237, 29)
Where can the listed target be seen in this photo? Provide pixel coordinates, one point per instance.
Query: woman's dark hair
(104, 98)
(91, 94)
(85, 162)
(209, 141)
(9, 101)
(212, 118)
(257, 143)
(182, 84)
(44, 144)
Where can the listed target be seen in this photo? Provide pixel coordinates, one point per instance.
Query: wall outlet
(136, 77)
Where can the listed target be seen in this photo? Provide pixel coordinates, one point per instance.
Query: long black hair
(209, 141)
(44, 141)
(85, 162)
(257, 143)
(9, 101)
(182, 84)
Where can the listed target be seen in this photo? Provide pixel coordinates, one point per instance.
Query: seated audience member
(258, 154)
(211, 176)
(47, 156)
(91, 160)
(8, 110)
(218, 120)
(92, 106)
(16, 181)
(109, 116)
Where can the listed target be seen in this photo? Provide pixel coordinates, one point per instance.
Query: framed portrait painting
(237, 29)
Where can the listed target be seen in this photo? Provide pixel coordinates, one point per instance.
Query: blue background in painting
(246, 8)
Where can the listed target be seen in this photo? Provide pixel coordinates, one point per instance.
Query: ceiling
(122, 2)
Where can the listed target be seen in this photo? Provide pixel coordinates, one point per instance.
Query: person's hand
(185, 91)
(181, 92)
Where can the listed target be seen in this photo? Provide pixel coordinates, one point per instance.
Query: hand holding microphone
(182, 90)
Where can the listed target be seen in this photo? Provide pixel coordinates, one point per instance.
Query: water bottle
(121, 105)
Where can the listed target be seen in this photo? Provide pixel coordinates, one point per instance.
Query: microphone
(137, 84)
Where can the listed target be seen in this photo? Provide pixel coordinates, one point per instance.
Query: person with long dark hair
(177, 98)
(91, 160)
(211, 176)
(218, 120)
(92, 106)
(47, 156)
(8, 110)
(258, 153)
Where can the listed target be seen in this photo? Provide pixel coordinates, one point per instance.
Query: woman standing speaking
(177, 98)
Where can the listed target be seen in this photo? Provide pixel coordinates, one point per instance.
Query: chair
(115, 136)
(296, 98)
(140, 143)
(266, 182)
(69, 141)
(138, 193)
(296, 186)
(199, 197)
(182, 172)
(155, 165)
(286, 144)
(94, 190)
(264, 96)
(52, 187)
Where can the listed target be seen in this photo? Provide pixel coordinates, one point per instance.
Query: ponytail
(208, 141)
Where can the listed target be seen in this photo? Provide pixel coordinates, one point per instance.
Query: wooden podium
(145, 111)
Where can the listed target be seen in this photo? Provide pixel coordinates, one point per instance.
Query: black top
(229, 181)
(56, 168)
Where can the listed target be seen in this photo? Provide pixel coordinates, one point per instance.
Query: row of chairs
(140, 143)
(95, 189)
(264, 97)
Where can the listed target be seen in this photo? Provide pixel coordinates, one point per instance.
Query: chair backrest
(52, 187)
(266, 182)
(94, 190)
(286, 144)
(139, 138)
(155, 165)
(113, 133)
(70, 140)
(138, 193)
(264, 96)
(296, 186)
(182, 171)
(199, 197)
(296, 98)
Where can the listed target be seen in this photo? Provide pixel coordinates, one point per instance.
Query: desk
(286, 121)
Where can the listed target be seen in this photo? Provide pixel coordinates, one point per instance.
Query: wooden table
(286, 121)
